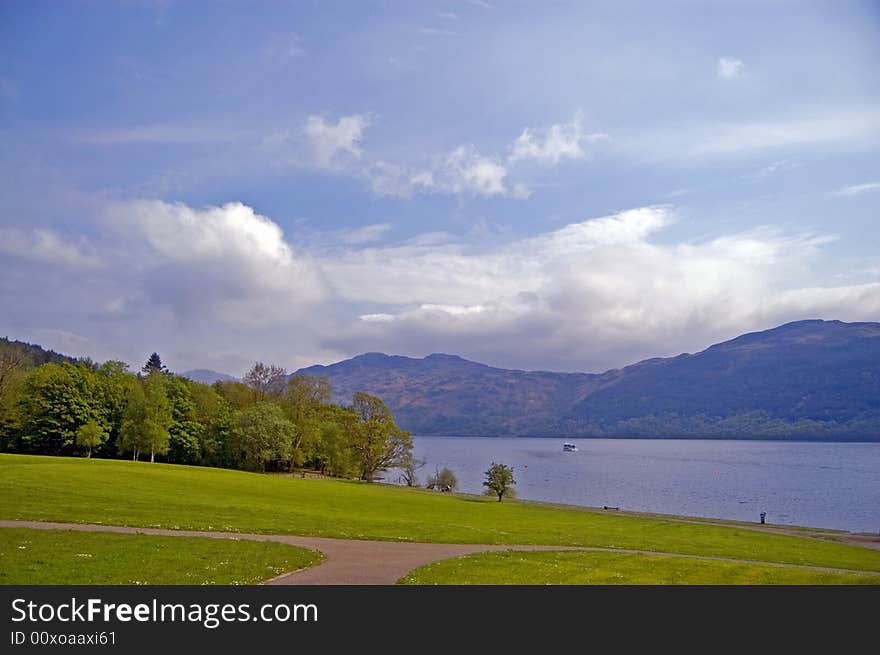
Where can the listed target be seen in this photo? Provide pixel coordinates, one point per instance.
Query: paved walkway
(360, 562)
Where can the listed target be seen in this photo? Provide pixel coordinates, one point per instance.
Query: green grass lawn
(180, 497)
(32, 557)
(530, 568)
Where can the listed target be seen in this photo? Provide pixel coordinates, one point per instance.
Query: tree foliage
(148, 418)
(499, 481)
(262, 435)
(443, 480)
(265, 380)
(154, 363)
(67, 407)
(303, 402)
(378, 443)
(91, 435)
(56, 400)
(409, 466)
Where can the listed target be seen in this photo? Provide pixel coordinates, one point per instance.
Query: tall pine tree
(154, 363)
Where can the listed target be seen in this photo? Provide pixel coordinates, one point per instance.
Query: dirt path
(360, 562)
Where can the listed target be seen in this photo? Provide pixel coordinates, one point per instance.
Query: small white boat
(569, 447)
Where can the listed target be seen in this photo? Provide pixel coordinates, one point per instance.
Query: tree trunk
(89, 453)
(152, 456)
(500, 493)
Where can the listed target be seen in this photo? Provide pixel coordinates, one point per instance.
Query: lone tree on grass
(499, 481)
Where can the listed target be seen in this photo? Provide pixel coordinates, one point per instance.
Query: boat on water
(569, 447)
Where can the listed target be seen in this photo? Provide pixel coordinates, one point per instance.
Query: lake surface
(825, 485)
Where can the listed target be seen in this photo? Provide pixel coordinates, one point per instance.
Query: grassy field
(180, 497)
(66, 557)
(543, 568)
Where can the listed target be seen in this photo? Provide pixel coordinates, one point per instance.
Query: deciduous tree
(266, 380)
(91, 435)
(409, 466)
(262, 436)
(499, 481)
(303, 403)
(56, 400)
(443, 480)
(377, 443)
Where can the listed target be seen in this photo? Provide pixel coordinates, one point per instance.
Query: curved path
(361, 562)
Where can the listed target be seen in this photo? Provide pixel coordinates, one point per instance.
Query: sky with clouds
(565, 186)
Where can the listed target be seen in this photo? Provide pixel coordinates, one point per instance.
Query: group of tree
(268, 422)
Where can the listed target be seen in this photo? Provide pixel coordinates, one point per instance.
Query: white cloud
(771, 169)
(228, 261)
(376, 318)
(46, 247)
(856, 189)
(550, 145)
(332, 143)
(590, 295)
(600, 293)
(853, 128)
(464, 171)
(365, 234)
(730, 67)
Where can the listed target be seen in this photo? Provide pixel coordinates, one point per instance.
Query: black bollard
(763, 516)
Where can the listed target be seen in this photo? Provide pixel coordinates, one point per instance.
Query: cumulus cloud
(594, 294)
(730, 67)
(856, 189)
(591, 295)
(550, 145)
(331, 143)
(227, 261)
(47, 247)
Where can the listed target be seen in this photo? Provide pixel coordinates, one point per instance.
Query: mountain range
(207, 376)
(809, 379)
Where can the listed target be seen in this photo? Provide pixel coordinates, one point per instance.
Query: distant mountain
(207, 376)
(445, 394)
(808, 379)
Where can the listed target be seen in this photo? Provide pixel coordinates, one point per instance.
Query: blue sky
(567, 186)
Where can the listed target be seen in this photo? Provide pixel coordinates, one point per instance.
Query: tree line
(267, 422)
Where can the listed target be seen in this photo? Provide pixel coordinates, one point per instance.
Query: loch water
(823, 485)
